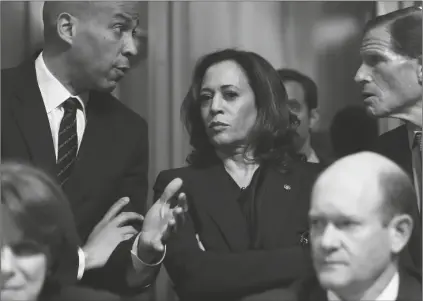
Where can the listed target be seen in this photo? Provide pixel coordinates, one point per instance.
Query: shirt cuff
(137, 262)
(81, 267)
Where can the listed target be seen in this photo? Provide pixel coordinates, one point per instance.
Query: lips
(216, 124)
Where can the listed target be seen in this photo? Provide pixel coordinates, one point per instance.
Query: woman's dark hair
(40, 210)
(272, 134)
(405, 28)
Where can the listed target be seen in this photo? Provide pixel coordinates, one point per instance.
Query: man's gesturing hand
(108, 233)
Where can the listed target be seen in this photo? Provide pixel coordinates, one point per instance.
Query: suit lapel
(32, 119)
(222, 206)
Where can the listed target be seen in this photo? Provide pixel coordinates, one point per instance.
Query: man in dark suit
(59, 115)
(360, 220)
(391, 81)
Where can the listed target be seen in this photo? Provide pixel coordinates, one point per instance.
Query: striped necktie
(68, 140)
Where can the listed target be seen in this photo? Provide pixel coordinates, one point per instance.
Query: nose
(7, 263)
(362, 74)
(329, 240)
(130, 46)
(216, 104)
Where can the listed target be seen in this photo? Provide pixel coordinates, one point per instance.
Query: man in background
(302, 101)
(390, 77)
(360, 220)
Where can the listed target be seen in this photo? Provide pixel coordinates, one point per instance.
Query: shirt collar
(312, 157)
(390, 293)
(412, 129)
(52, 91)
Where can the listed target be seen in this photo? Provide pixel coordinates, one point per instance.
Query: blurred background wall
(320, 39)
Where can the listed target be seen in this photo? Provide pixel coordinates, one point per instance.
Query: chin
(106, 86)
(332, 280)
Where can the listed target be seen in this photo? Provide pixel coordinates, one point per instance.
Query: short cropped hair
(398, 193)
(40, 209)
(308, 85)
(405, 28)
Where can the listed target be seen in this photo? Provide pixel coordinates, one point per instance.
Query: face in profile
(389, 81)
(298, 105)
(23, 263)
(351, 246)
(227, 104)
(107, 43)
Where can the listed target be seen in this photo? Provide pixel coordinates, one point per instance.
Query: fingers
(125, 217)
(170, 190)
(182, 202)
(128, 230)
(115, 209)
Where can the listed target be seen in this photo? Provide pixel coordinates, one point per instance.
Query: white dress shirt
(54, 94)
(390, 293)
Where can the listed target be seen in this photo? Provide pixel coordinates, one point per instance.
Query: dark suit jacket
(395, 146)
(410, 288)
(229, 269)
(73, 293)
(112, 160)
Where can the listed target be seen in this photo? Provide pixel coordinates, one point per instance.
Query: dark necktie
(68, 140)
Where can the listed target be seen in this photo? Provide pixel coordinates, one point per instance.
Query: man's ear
(400, 232)
(66, 27)
(314, 118)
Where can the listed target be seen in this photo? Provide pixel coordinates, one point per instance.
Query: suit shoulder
(10, 77)
(172, 173)
(400, 131)
(120, 110)
(391, 137)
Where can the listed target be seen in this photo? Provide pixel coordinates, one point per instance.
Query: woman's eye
(230, 95)
(26, 248)
(204, 97)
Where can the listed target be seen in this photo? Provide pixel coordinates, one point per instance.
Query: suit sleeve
(199, 275)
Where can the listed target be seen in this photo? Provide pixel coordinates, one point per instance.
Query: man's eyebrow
(126, 17)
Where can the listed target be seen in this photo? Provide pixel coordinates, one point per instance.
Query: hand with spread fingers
(161, 220)
(108, 233)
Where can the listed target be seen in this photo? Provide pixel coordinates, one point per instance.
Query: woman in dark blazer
(245, 237)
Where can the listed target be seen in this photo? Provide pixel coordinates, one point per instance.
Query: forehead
(225, 73)
(344, 197)
(377, 39)
(130, 10)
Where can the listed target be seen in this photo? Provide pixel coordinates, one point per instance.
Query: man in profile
(59, 115)
(390, 77)
(360, 221)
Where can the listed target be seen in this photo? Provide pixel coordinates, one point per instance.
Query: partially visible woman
(38, 239)
(245, 236)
